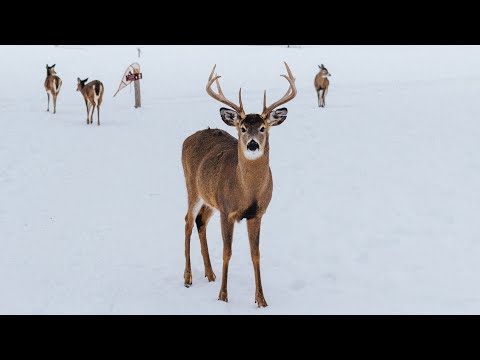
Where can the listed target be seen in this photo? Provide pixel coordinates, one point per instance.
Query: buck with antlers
(321, 84)
(92, 94)
(232, 176)
(52, 86)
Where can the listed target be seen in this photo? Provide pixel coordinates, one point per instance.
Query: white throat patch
(252, 155)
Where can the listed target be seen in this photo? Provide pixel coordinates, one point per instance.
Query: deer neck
(253, 175)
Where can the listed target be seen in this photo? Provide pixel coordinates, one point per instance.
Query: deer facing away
(92, 94)
(321, 84)
(52, 86)
(232, 176)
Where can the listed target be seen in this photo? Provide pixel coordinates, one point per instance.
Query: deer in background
(321, 84)
(92, 94)
(52, 86)
(231, 176)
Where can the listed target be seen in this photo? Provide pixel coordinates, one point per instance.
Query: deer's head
(253, 129)
(51, 70)
(323, 71)
(81, 83)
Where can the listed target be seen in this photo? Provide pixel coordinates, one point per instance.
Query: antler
(289, 95)
(220, 97)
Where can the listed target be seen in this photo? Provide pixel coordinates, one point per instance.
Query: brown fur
(232, 176)
(89, 91)
(52, 86)
(321, 86)
(217, 171)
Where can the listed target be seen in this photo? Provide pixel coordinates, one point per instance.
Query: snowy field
(376, 197)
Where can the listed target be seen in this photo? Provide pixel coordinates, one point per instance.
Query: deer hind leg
(54, 103)
(227, 235)
(323, 96)
(98, 100)
(91, 115)
(48, 103)
(202, 220)
(253, 226)
(193, 207)
(319, 101)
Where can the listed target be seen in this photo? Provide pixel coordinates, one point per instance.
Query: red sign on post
(132, 77)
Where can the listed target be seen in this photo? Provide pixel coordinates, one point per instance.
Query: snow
(375, 204)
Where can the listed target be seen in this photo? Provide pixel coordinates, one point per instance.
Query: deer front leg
(54, 103)
(227, 234)
(253, 226)
(88, 111)
(48, 103)
(319, 100)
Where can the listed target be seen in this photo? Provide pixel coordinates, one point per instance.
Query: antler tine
(289, 72)
(240, 98)
(220, 96)
(211, 74)
(219, 88)
(264, 102)
(289, 95)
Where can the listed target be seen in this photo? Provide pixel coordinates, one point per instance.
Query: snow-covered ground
(376, 197)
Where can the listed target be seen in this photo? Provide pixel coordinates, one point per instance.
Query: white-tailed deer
(93, 95)
(52, 86)
(321, 84)
(232, 176)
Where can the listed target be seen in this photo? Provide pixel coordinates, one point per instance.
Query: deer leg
(48, 103)
(98, 114)
(253, 226)
(202, 220)
(318, 95)
(91, 115)
(54, 103)
(227, 234)
(323, 96)
(187, 275)
(88, 111)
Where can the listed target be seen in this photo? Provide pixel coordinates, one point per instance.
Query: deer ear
(322, 66)
(85, 80)
(229, 117)
(78, 79)
(277, 117)
(47, 66)
(319, 67)
(53, 65)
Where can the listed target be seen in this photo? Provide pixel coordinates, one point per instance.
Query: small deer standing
(93, 95)
(52, 86)
(321, 84)
(232, 176)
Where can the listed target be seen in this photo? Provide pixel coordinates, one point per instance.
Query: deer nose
(253, 145)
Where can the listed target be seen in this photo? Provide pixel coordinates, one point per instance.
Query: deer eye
(262, 129)
(243, 129)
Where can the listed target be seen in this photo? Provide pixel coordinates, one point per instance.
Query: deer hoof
(211, 276)
(223, 296)
(188, 279)
(260, 300)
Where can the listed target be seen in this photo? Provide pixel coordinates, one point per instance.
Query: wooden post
(138, 98)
